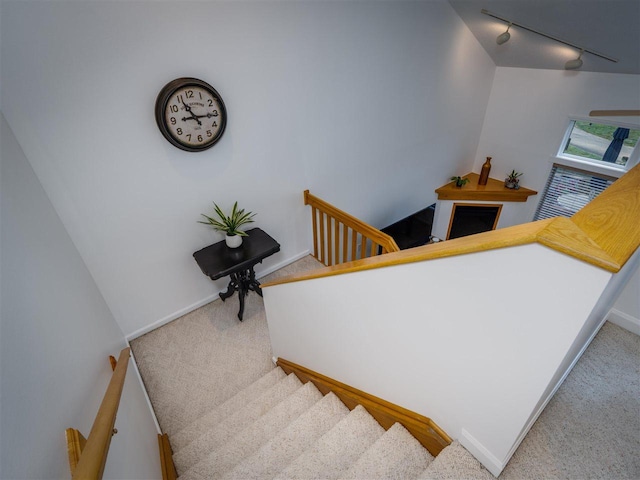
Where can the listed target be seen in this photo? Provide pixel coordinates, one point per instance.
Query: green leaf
(230, 224)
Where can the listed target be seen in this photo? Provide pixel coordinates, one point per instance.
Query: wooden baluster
(354, 244)
(345, 239)
(314, 224)
(374, 248)
(321, 258)
(329, 245)
(336, 241)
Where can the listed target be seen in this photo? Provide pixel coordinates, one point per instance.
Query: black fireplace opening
(469, 219)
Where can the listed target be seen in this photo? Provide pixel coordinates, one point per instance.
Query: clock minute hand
(188, 109)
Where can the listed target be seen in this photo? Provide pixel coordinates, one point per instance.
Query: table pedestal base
(242, 282)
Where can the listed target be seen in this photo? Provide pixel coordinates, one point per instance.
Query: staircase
(278, 427)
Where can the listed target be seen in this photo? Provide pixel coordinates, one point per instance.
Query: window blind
(568, 190)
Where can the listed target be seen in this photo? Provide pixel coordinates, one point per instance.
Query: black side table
(218, 260)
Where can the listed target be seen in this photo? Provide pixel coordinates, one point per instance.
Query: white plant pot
(233, 241)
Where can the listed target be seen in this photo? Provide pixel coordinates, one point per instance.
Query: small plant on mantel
(460, 182)
(230, 224)
(512, 180)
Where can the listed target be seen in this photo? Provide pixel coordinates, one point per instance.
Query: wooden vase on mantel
(484, 172)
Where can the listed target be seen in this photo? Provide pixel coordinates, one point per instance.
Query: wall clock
(190, 114)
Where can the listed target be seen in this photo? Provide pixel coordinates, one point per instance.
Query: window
(601, 143)
(591, 157)
(568, 190)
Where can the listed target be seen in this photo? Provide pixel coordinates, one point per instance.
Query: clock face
(190, 114)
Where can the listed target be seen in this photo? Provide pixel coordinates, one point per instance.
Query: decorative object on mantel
(231, 224)
(512, 181)
(460, 182)
(484, 172)
(493, 191)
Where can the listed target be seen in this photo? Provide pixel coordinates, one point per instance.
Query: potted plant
(460, 182)
(512, 180)
(230, 224)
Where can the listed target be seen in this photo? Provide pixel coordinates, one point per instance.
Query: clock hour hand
(188, 109)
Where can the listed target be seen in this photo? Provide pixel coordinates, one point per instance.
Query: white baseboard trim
(624, 320)
(484, 456)
(208, 299)
(144, 390)
(172, 317)
(284, 263)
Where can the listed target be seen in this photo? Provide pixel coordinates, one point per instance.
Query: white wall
(56, 333)
(469, 341)
(371, 105)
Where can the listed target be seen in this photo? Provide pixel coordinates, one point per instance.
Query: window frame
(596, 166)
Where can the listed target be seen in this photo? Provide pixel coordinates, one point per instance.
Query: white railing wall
(477, 342)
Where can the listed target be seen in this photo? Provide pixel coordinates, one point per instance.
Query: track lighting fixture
(504, 37)
(575, 63)
(570, 65)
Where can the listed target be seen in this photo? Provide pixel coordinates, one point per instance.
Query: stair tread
(291, 442)
(395, 455)
(337, 450)
(240, 419)
(254, 436)
(201, 425)
(455, 462)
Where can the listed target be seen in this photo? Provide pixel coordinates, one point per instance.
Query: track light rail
(524, 27)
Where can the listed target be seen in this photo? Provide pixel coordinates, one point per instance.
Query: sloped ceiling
(610, 27)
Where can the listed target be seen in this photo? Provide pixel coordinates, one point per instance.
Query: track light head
(575, 63)
(504, 37)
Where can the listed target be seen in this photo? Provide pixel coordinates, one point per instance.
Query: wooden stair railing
(87, 458)
(425, 430)
(604, 233)
(339, 237)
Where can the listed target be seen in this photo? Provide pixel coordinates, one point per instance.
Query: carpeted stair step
(453, 463)
(239, 420)
(333, 454)
(396, 455)
(208, 421)
(249, 440)
(290, 443)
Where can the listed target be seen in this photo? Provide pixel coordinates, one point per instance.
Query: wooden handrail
(605, 233)
(335, 234)
(425, 430)
(94, 454)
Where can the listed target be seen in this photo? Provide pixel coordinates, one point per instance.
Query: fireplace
(471, 218)
(475, 208)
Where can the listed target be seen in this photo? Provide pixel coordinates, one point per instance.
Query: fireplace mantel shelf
(494, 190)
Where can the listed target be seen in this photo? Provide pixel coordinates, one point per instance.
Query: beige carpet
(202, 359)
(591, 428)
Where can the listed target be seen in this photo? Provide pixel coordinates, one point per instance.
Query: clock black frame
(161, 104)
